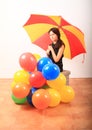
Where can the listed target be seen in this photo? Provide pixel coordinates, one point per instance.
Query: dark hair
(57, 32)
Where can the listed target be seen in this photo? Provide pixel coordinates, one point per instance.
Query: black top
(59, 63)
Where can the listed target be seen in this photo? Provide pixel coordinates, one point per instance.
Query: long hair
(57, 32)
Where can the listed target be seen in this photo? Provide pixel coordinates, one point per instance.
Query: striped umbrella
(37, 27)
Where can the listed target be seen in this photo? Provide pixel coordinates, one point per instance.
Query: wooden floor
(76, 115)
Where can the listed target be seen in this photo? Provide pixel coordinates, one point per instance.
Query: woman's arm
(59, 54)
(47, 51)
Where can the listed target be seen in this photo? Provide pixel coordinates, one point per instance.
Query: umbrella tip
(83, 58)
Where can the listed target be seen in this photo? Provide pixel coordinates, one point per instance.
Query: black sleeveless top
(59, 63)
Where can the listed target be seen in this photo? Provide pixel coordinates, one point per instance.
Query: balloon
(45, 86)
(41, 99)
(28, 61)
(57, 83)
(36, 79)
(42, 62)
(22, 76)
(33, 90)
(20, 90)
(29, 97)
(55, 97)
(13, 84)
(50, 71)
(37, 56)
(67, 94)
(18, 100)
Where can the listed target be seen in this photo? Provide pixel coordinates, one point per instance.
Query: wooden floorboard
(76, 115)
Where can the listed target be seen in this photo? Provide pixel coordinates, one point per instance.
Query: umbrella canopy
(38, 26)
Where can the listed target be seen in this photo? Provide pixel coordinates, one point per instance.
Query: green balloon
(45, 86)
(18, 100)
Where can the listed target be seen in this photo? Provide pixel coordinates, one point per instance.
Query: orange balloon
(57, 83)
(20, 90)
(67, 94)
(55, 97)
(41, 99)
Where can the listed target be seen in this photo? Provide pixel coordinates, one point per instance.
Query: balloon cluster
(40, 83)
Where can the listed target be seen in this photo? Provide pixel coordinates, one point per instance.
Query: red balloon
(36, 79)
(20, 90)
(28, 61)
(41, 99)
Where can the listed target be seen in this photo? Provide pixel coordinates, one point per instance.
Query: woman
(56, 49)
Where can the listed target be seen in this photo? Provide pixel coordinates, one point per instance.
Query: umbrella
(37, 27)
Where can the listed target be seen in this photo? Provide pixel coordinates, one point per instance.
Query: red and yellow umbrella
(38, 26)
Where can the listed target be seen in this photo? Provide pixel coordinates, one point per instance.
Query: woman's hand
(50, 48)
(47, 52)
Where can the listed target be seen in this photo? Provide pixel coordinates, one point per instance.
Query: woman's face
(53, 37)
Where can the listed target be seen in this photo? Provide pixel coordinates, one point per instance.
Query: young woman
(55, 50)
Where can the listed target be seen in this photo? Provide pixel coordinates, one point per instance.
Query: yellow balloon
(13, 84)
(55, 97)
(57, 83)
(67, 94)
(37, 56)
(21, 76)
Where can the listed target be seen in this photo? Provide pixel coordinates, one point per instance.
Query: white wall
(14, 40)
